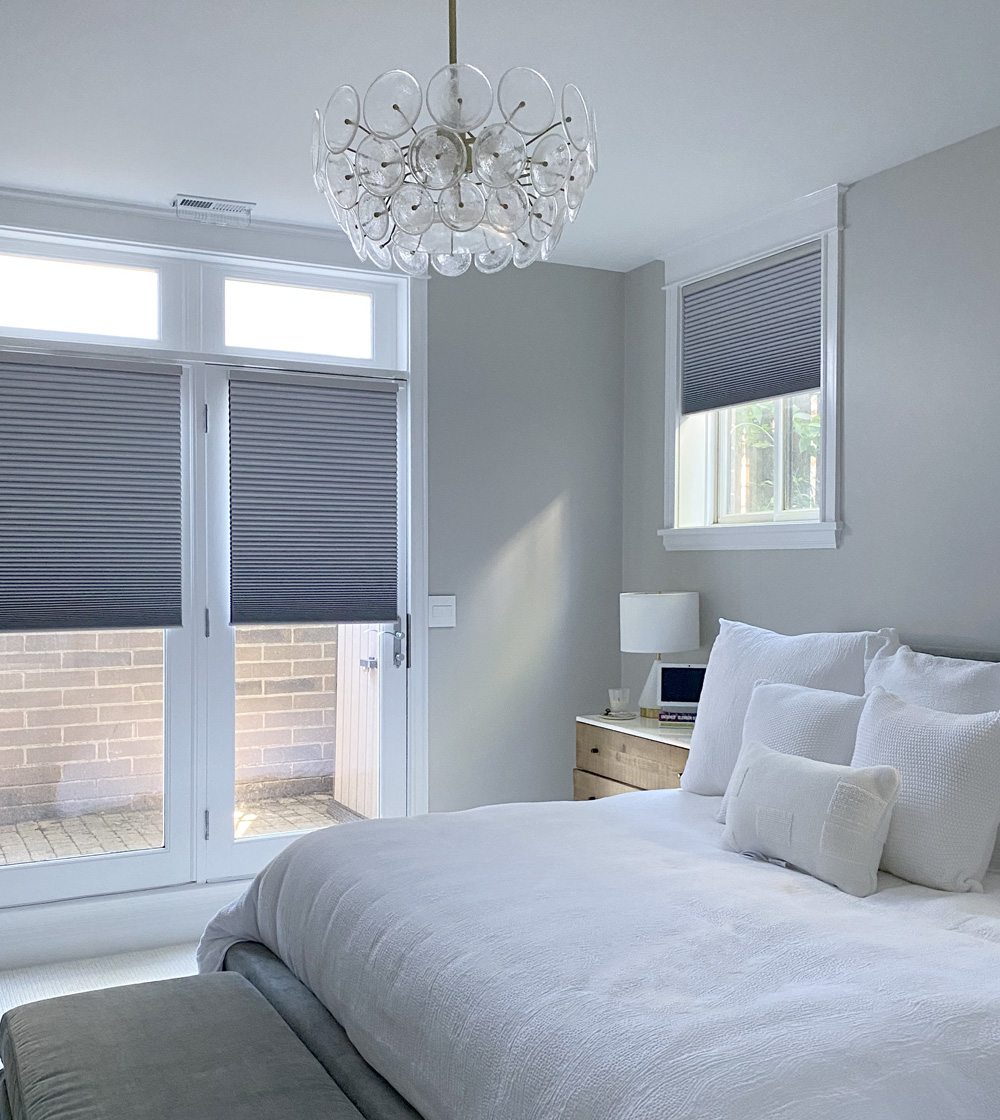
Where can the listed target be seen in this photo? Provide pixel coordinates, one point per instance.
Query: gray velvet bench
(197, 1048)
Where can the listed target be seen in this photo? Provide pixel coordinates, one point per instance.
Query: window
(291, 319)
(40, 294)
(769, 460)
(81, 766)
(752, 439)
(102, 295)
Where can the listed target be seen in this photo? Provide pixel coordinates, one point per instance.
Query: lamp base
(649, 698)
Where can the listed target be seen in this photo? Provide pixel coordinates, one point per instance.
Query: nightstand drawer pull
(595, 750)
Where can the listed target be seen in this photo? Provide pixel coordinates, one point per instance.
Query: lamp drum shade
(659, 622)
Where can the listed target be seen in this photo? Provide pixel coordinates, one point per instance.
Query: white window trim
(817, 217)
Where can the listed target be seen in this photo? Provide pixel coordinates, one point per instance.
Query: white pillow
(830, 821)
(743, 655)
(945, 822)
(947, 684)
(807, 722)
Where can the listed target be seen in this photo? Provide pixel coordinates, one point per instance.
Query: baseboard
(120, 923)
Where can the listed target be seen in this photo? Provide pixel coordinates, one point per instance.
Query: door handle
(398, 645)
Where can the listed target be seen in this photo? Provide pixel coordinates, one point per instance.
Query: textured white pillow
(947, 684)
(807, 722)
(945, 822)
(743, 655)
(830, 821)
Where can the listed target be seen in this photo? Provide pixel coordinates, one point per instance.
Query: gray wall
(525, 486)
(920, 422)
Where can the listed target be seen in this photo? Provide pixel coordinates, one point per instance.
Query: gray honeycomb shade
(313, 501)
(90, 497)
(754, 333)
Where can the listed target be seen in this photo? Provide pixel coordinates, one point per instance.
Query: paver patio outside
(104, 833)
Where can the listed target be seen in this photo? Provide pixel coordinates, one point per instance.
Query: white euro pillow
(807, 722)
(743, 655)
(830, 821)
(947, 684)
(945, 822)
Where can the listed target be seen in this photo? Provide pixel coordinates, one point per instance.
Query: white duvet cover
(607, 960)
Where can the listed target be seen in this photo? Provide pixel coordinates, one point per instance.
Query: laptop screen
(681, 684)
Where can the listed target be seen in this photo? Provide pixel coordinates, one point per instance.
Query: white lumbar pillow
(743, 655)
(945, 822)
(830, 821)
(947, 684)
(807, 722)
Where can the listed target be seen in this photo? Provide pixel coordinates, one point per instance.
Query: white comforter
(607, 960)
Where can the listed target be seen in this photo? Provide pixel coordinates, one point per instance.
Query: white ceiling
(710, 111)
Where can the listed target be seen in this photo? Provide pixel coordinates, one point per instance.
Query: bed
(608, 960)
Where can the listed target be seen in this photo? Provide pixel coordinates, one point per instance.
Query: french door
(97, 684)
(305, 643)
(259, 716)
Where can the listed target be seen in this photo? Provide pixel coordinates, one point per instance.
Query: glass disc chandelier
(459, 189)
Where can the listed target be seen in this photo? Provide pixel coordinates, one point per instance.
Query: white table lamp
(658, 622)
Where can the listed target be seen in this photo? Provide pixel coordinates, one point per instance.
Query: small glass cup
(618, 701)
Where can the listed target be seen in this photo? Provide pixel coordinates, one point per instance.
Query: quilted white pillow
(828, 820)
(947, 684)
(743, 655)
(806, 722)
(945, 822)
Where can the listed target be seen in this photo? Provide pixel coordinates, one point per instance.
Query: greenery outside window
(769, 460)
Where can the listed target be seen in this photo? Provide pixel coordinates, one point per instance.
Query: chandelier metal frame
(459, 190)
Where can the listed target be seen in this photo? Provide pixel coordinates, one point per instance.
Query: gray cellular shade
(313, 501)
(755, 334)
(90, 498)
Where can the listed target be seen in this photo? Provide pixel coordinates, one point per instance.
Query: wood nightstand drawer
(589, 787)
(634, 761)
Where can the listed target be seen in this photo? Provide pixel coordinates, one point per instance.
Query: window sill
(773, 534)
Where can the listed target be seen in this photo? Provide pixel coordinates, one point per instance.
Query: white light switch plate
(441, 610)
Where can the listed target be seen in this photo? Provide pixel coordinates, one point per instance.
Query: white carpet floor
(25, 985)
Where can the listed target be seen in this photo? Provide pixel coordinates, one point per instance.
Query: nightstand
(621, 756)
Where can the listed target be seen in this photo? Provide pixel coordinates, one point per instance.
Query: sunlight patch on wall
(520, 607)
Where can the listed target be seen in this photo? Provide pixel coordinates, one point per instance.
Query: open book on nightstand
(614, 757)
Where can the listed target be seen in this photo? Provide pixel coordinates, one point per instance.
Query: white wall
(525, 483)
(920, 427)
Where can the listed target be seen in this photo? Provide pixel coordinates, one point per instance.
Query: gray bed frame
(319, 1031)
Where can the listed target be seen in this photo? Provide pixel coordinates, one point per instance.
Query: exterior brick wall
(81, 723)
(81, 718)
(286, 712)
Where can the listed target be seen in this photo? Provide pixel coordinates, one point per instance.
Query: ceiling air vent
(213, 211)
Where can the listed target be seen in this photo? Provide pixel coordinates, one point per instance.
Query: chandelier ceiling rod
(452, 32)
